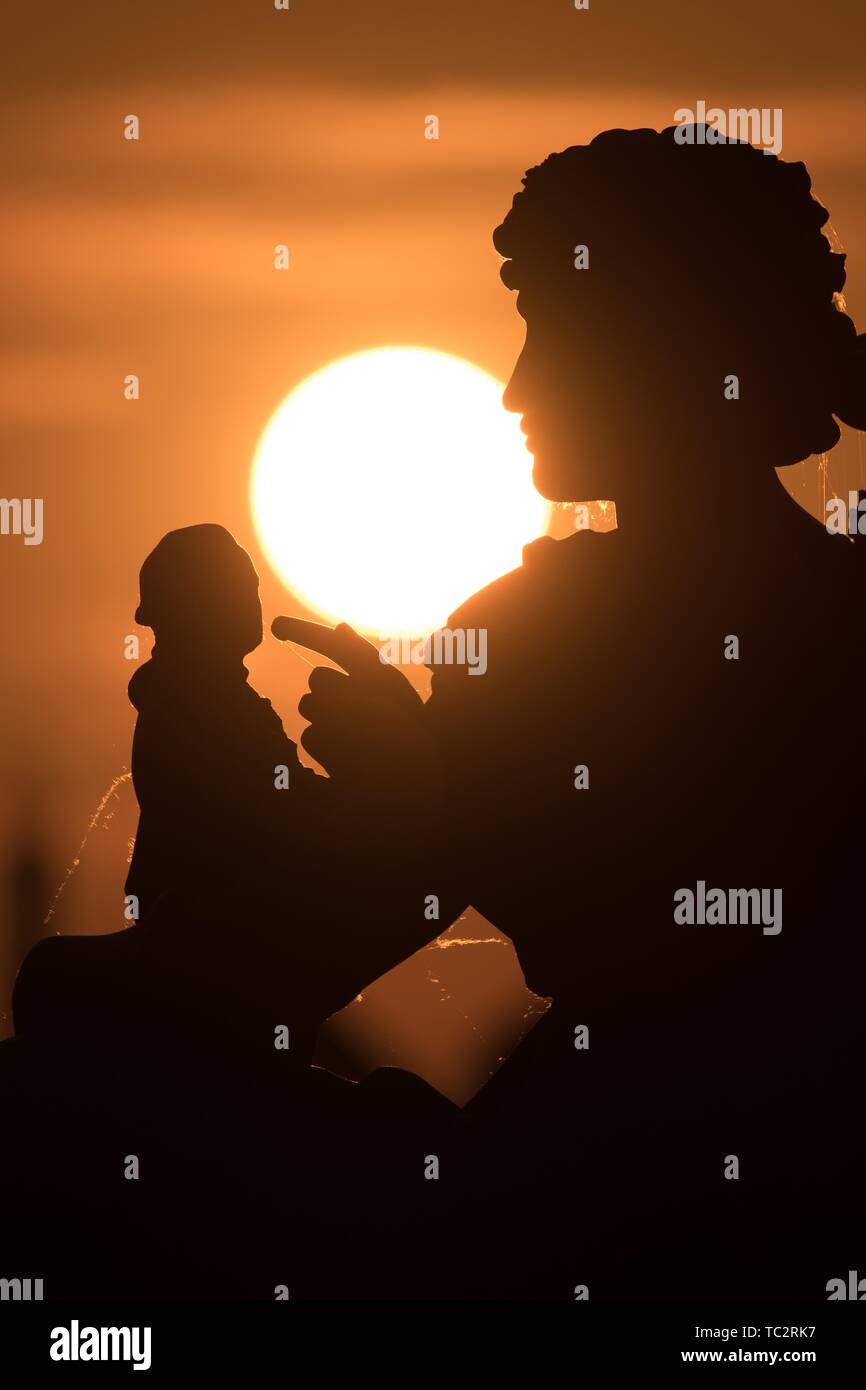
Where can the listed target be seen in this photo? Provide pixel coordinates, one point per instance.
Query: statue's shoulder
(523, 617)
(550, 569)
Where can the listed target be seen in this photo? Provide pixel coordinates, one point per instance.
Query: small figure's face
(220, 621)
(200, 594)
(246, 617)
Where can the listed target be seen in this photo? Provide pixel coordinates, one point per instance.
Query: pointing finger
(341, 644)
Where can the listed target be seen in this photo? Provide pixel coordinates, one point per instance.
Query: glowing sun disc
(391, 485)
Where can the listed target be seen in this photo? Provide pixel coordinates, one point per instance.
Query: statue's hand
(364, 719)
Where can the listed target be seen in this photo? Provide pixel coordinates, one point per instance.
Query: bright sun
(391, 485)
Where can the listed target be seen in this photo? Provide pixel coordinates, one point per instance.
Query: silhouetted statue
(217, 779)
(220, 790)
(672, 706)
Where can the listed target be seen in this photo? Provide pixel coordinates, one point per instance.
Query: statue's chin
(557, 483)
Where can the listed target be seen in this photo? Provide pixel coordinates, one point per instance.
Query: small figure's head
(200, 593)
(651, 273)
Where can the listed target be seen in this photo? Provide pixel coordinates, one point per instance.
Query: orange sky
(155, 257)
